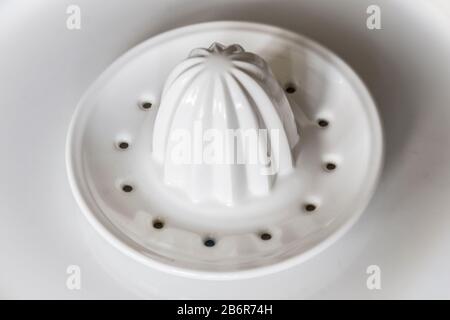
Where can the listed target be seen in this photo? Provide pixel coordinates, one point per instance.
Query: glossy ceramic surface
(46, 68)
(306, 209)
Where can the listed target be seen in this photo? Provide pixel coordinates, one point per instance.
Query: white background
(45, 68)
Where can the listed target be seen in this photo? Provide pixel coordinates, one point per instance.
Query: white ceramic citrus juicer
(225, 150)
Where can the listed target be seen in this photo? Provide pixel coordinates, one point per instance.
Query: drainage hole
(146, 105)
(323, 123)
(265, 236)
(158, 224)
(290, 88)
(123, 145)
(209, 242)
(310, 207)
(127, 188)
(330, 166)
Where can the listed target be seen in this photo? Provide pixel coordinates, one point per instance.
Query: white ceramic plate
(327, 90)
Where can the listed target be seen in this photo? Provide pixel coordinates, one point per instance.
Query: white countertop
(45, 68)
